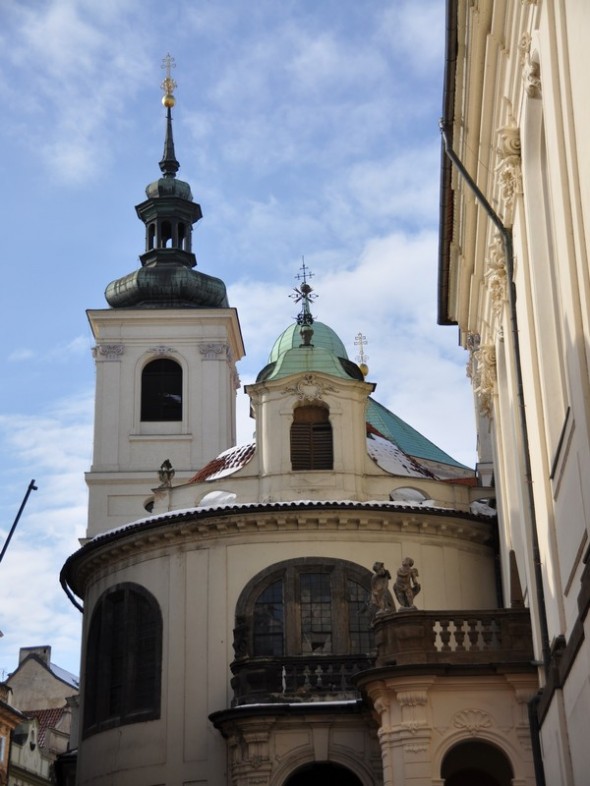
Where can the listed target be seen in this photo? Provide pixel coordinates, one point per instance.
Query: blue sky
(305, 128)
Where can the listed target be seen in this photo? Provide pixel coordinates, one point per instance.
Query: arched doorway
(324, 774)
(476, 763)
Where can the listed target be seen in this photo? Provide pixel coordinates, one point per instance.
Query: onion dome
(166, 278)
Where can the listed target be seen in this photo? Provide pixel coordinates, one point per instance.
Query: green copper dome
(325, 353)
(323, 336)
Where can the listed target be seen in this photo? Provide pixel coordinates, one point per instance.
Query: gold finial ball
(364, 369)
(168, 100)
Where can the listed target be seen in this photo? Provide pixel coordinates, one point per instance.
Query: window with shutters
(123, 659)
(311, 439)
(310, 606)
(161, 391)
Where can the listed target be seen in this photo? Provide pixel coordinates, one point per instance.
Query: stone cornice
(189, 527)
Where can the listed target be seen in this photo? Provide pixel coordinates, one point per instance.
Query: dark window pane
(123, 664)
(359, 627)
(268, 621)
(316, 612)
(161, 391)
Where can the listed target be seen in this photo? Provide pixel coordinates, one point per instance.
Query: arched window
(323, 774)
(476, 762)
(165, 234)
(123, 659)
(311, 439)
(151, 236)
(161, 391)
(313, 606)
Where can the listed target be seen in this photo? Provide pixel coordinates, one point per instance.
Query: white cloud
(82, 74)
(21, 355)
(53, 448)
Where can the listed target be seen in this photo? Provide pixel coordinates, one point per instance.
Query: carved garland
(108, 351)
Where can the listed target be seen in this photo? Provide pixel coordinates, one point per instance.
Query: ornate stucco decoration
(472, 720)
(532, 78)
(162, 349)
(495, 275)
(524, 47)
(108, 351)
(308, 389)
(217, 351)
(509, 168)
(531, 69)
(481, 369)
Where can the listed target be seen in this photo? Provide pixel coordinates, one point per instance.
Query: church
(324, 605)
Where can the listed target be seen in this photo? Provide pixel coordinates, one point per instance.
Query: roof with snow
(405, 437)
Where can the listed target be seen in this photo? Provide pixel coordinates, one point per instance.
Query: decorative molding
(531, 76)
(108, 351)
(413, 726)
(413, 748)
(482, 371)
(308, 389)
(509, 168)
(411, 698)
(495, 275)
(162, 349)
(472, 720)
(215, 351)
(524, 47)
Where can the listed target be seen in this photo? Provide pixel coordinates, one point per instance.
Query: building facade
(47, 700)
(514, 277)
(322, 605)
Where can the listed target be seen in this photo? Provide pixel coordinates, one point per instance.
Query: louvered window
(123, 661)
(311, 439)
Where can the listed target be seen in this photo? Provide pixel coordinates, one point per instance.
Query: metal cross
(168, 85)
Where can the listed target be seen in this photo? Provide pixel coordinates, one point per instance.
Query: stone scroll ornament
(406, 585)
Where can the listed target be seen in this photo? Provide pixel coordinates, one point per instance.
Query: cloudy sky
(305, 128)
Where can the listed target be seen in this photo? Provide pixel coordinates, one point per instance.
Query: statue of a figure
(166, 473)
(406, 586)
(381, 599)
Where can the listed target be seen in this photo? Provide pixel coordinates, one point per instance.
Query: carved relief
(309, 388)
(532, 78)
(217, 351)
(495, 275)
(472, 720)
(509, 168)
(481, 369)
(524, 47)
(162, 349)
(411, 698)
(108, 351)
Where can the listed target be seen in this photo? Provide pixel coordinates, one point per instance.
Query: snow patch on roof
(228, 462)
(392, 459)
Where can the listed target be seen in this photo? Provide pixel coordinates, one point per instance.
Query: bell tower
(165, 356)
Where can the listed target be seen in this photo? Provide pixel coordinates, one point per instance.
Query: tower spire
(168, 165)
(304, 294)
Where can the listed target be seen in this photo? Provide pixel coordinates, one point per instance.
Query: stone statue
(166, 473)
(381, 599)
(406, 586)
